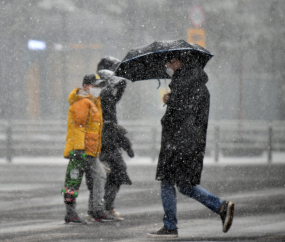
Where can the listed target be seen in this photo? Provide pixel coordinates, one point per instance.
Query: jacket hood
(78, 94)
(195, 75)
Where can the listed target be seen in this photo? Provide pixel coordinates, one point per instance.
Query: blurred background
(47, 46)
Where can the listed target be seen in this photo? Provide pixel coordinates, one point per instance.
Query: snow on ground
(277, 158)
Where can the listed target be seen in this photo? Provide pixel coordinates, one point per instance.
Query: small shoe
(164, 233)
(89, 218)
(227, 215)
(73, 218)
(116, 215)
(103, 216)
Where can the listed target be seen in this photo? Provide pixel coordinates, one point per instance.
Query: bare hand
(166, 97)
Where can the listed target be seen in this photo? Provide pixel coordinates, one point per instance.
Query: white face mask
(169, 71)
(95, 91)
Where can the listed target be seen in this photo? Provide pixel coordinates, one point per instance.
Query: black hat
(108, 63)
(92, 79)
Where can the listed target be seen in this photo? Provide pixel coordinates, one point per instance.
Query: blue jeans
(168, 196)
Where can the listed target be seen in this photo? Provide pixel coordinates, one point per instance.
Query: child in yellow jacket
(83, 146)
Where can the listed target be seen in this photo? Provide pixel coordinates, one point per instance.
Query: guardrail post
(217, 143)
(270, 134)
(9, 144)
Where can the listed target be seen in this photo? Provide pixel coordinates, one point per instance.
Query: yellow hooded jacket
(84, 123)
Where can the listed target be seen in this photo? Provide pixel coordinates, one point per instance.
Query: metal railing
(229, 137)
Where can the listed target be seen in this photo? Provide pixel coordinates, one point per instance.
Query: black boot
(71, 215)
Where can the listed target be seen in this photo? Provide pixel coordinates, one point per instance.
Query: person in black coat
(113, 135)
(184, 130)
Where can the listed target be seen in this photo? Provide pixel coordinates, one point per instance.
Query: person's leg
(168, 197)
(111, 190)
(89, 183)
(73, 180)
(224, 208)
(203, 196)
(99, 214)
(117, 176)
(99, 179)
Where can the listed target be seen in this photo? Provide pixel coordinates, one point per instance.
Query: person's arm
(123, 140)
(127, 145)
(80, 112)
(119, 88)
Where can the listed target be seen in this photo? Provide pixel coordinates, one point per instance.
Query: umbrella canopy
(148, 62)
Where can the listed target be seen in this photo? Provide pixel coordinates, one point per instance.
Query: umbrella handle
(158, 84)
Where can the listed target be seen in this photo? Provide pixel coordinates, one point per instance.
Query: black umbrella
(148, 62)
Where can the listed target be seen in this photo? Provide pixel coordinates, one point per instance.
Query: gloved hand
(105, 74)
(78, 154)
(118, 82)
(130, 153)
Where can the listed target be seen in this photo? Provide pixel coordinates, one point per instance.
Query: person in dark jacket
(184, 130)
(113, 135)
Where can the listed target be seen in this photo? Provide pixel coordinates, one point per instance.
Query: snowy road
(32, 208)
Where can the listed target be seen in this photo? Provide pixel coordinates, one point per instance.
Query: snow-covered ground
(277, 158)
(32, 207)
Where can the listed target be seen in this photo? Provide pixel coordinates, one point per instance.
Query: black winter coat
(110, 96)
(184, 128)
(113, 135)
